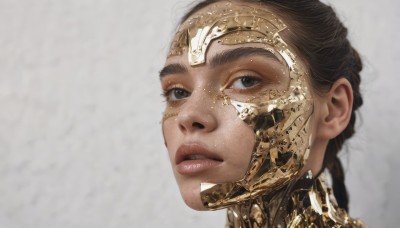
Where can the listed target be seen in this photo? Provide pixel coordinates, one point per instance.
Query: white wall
(80, 138)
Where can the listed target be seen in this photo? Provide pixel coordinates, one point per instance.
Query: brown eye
(245, 82)
(176, 94)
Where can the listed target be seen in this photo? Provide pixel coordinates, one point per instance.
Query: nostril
(198, 125)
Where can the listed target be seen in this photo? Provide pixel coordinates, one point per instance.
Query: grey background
(80, 135)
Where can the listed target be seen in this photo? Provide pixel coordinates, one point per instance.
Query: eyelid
(240, 74)
(171, 87)
(173, 84)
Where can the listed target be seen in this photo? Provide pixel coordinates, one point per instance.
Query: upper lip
(192, 151)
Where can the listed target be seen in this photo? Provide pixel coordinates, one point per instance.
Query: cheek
(238, 140)
(243, 145)
(170, 133)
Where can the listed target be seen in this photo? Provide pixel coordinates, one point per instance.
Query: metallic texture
(280, 121)
(196, 33)
(307, 202)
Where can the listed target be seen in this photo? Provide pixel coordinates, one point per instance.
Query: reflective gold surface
(305, 203)
(269, 194)
(222, 19)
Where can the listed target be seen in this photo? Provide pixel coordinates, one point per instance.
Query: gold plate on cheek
(281, 127)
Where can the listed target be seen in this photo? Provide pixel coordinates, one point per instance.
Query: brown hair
(321, 39)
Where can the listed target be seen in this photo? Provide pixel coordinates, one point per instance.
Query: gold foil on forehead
(221, 19)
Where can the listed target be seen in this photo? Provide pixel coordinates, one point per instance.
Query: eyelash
(257, 82)
(167, 93)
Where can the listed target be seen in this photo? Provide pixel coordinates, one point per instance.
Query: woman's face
(207, 139)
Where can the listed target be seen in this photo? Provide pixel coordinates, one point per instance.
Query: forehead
(231, 23)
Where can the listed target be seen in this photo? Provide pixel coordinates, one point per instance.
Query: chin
(191, 196)
(198, 206)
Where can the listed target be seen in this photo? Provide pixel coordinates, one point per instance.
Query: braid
(331, 160)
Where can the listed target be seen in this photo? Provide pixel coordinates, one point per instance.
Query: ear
(337, 109)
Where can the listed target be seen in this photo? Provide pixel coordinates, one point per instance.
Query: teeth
(196, 157)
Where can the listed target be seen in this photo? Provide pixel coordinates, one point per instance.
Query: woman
(260, 98)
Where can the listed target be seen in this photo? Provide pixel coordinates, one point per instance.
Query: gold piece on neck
(307, 202)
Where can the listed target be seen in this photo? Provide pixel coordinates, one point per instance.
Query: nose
(197, 114)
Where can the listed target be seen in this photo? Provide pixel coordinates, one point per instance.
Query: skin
(202, 120)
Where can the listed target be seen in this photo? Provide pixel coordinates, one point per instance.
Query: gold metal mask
(280, 121)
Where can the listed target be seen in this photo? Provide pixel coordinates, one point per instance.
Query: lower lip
(191, 167)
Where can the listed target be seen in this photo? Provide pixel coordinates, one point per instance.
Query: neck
(307, 202)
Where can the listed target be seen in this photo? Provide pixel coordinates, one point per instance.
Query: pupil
(247, 82)
(179, 93)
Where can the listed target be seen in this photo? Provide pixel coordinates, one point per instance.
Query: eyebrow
(175, 68)
(221, 59)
